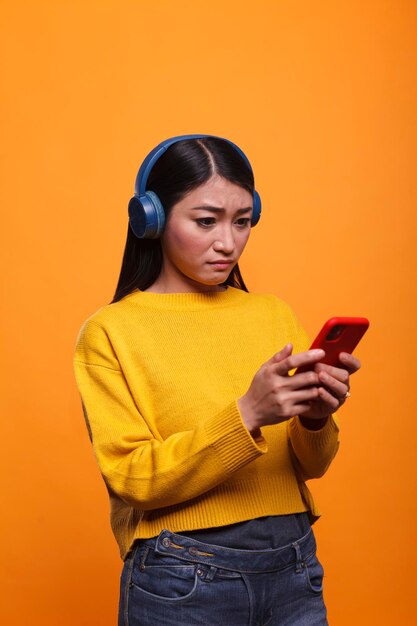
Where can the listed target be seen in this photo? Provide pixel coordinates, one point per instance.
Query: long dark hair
(185, 165)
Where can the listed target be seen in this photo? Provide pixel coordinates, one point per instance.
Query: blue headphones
(146, 213)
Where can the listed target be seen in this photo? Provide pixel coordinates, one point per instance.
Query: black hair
(185, 165)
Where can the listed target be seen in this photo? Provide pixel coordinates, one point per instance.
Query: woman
(203, 438)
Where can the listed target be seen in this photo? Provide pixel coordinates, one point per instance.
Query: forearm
(149, 471)
(154, 474)
(313, 450)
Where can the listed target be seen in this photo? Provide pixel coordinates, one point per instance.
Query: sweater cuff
(314, 439)
(227, 433)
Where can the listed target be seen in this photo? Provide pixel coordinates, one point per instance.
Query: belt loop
(143, 559)
(211, 573)
(298, 563)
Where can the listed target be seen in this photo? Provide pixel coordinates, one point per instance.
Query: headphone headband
(156, 153)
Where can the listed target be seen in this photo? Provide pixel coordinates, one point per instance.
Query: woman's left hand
(334, 390)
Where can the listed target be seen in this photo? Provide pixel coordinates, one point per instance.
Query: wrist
(248, 419)
(312, 423)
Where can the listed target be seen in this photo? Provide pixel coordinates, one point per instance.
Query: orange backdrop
(322, 97)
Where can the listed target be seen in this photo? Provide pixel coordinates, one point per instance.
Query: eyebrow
(215, 209)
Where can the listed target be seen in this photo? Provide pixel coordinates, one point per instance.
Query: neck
(164, 286)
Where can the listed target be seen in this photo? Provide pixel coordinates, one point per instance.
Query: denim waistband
(249, 561)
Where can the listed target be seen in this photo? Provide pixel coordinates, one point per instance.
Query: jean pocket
(314, 573)
(163, 577)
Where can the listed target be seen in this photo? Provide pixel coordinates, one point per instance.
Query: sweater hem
(229, 503)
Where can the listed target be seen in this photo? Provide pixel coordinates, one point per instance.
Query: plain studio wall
(322, 98)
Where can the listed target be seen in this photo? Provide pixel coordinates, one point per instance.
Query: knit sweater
(159, 377)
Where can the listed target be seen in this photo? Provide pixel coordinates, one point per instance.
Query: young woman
(203, 437)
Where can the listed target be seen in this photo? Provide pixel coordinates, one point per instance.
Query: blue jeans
(174, 580)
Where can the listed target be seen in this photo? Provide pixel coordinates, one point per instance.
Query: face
(205, 234)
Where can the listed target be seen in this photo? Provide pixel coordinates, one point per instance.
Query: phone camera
(335, 332)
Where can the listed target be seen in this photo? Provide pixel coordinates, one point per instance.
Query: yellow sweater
(159, 376)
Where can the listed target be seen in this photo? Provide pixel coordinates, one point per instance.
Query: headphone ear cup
(146, 215)
(257, 208)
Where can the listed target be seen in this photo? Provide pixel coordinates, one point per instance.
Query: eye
(205, 222)
(242, 222)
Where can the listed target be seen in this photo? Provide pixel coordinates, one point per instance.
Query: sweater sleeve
(146, 471)
(312, 451)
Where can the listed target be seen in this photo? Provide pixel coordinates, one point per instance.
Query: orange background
(322, 97)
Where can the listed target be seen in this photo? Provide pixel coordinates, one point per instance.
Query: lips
(221, 264)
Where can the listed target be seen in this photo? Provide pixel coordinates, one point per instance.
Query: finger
(329, 400)
(300, 409)
(349, 361)
(336, 372)
(336, 388)
(305, 379)
(301, 359)
(287, 403)
(305, 395)
(282, 354)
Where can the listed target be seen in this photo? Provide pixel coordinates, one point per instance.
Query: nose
(225, 242)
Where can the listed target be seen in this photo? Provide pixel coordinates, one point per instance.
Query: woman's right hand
(274, 396)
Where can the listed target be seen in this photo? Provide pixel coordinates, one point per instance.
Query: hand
(274, 396)
(334, 385)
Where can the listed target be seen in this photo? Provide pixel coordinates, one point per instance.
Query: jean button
(193, 551)
(166, 542)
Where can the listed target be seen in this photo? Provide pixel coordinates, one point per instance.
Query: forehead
(217, 192)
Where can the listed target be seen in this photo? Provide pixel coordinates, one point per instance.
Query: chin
(207, 285)
(214, 282)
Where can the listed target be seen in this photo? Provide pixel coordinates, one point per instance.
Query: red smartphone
(339, 334)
